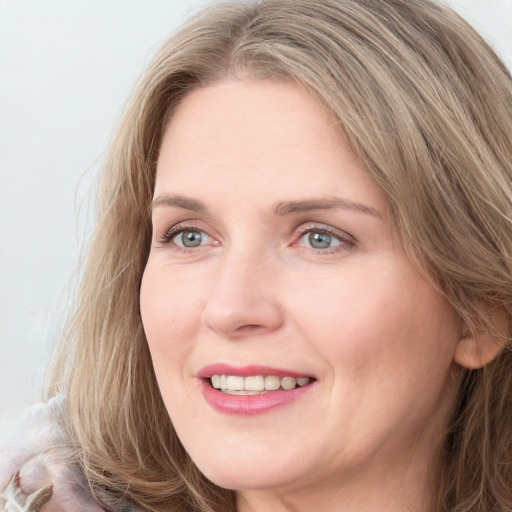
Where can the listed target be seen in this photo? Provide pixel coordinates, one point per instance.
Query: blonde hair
(428, 107)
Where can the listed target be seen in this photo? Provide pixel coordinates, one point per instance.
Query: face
(294, 342)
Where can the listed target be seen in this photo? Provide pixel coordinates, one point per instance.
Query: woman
(302, 259)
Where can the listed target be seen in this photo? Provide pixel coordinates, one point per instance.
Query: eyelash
(346, 241)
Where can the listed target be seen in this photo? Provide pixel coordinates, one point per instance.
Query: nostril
(248, 328)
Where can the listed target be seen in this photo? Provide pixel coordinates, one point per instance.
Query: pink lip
(246, 405)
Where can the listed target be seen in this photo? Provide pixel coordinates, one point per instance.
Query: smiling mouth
(256, 384)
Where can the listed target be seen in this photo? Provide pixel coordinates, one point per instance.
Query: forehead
(256, 136)
(258, 113)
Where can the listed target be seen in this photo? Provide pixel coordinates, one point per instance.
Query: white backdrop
(66, 67)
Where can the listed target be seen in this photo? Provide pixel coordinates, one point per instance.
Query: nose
(243, 299)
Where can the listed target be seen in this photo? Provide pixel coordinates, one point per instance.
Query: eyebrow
(330, 203)
(186, 203)
(281, 209)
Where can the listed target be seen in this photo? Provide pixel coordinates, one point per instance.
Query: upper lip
(247, 371)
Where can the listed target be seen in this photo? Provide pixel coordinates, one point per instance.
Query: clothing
(35, 453)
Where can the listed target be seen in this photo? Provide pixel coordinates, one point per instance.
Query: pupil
(319, 240)
(191, 238)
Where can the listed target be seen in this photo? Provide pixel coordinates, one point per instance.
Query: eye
(325, 240)
(320, 240)
(189, 238)
(186, 238)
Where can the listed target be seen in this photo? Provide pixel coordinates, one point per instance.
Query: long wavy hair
(427, 105)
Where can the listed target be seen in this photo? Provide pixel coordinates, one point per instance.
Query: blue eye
(189, 238)
(318, 240)
(322, 239)
(186, 238)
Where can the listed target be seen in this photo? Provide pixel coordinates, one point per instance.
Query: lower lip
(245, 405)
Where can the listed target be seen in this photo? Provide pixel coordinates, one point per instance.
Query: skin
(358, 316)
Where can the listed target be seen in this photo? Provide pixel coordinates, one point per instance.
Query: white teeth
(288, 383)
(254, 383)
(272, 383)
(216, 381)
(236, 392)
(236, 385)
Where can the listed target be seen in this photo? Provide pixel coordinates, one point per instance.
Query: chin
(247, 475)
(251, 481)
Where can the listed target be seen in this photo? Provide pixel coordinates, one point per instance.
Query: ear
(476, 349)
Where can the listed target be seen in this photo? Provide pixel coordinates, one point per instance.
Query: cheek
(170, 323)
(384, 325)
(386, 346)
(169, 315)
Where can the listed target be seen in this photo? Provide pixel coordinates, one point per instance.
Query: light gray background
(66, 67)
